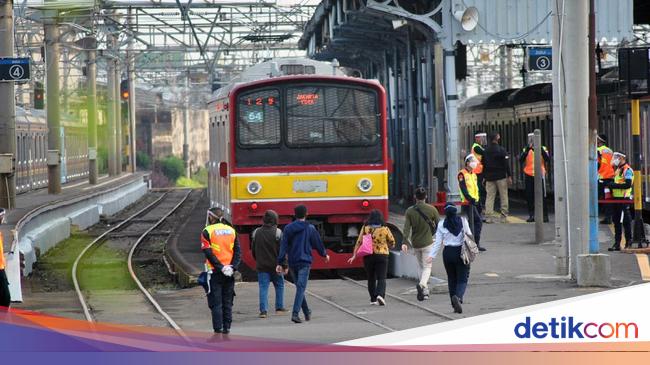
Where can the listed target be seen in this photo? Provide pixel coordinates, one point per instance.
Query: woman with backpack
(451, 234)
(373, 244)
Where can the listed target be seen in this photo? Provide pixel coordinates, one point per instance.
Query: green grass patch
(184, 182)
(104, 268)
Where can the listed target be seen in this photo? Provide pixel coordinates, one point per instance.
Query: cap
(469, 157)
(480, 135)
(619, 155)
(602, 138)
(531, 134)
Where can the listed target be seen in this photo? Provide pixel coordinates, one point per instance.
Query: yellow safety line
(515, 220)
(641, 259)
(644, 266)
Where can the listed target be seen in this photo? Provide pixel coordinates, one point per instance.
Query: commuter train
(31, 150)
(298, 131)
(516, 112)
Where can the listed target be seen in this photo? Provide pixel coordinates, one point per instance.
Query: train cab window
(259, 118)
(331, 115)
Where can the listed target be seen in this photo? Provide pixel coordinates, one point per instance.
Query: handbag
(469, 249)
(366, 245)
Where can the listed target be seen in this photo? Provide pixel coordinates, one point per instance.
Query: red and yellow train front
(316, 141)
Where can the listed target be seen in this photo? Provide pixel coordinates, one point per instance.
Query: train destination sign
(14, 69)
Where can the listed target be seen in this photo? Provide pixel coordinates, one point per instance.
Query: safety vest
(479, 158)
(529, 165)
(619, 178)
(222, 241)
(605, 171)
(2, 254)
(471, 184)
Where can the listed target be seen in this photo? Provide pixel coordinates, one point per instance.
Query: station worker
(527, 161)
(478, 150)
(621, 190)
(419, 228)
(220, 245)
(265, 246)
(605, 174)
(299, 239)
(469, 192)
(5, 298)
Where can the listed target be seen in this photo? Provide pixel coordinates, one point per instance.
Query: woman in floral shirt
(376, 265)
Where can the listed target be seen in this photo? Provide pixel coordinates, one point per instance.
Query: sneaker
(530, 219)
(455, 302)
(481, 248)
(374, 303)
(226, 331)
(308, 316)
(262, 315)
(426, 297)
(218, 331)
(295, 319)
(381, 300)
(420, 294)
(281, 311)
(614, 248)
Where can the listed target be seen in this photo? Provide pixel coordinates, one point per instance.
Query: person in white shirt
(450, 235)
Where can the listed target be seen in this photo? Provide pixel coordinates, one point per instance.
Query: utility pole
(559, 144)
(186, 121)
(7, 98)
(52, 103)
(538, 186)
(593, 133)
(91, 79)
(111, 109)
(119, 137)
(451, 96)
(132, 109)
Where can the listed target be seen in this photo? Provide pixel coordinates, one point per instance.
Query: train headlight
(253, 187)
(365, 185)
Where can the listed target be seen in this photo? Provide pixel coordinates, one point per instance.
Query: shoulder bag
(366, 244)
(469, 249)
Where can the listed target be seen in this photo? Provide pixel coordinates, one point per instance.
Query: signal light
(124, 89)
(254, 206)
(39, 101)
(365, 204)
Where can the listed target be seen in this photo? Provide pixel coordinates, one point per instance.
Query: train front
(317, 141)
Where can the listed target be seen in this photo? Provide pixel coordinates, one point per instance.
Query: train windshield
(307, 124)
(328, 115)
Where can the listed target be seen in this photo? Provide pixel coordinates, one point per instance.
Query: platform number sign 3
(14, 69)
(540, 59)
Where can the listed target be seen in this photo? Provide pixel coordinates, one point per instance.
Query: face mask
(473, 165)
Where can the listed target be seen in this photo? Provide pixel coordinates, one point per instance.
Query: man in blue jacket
(299, 238)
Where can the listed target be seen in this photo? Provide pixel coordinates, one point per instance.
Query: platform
(41, 220)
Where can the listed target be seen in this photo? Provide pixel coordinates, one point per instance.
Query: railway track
(148, 310)
(378, 319)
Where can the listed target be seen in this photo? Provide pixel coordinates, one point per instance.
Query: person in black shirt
(497, 175)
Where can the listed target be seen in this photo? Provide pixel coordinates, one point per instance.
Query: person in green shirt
(419, 229)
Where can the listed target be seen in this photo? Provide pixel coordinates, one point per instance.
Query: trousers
(529, 182)
(457, 271)
(220, 300)
(376, 269)
(622, 222)
(491, 188)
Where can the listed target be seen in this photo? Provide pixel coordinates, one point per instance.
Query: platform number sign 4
(14, 69)
(540, 59)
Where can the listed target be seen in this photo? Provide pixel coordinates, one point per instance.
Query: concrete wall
(53, 224)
